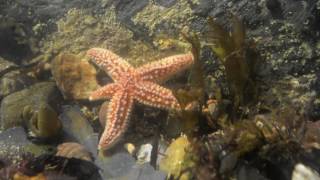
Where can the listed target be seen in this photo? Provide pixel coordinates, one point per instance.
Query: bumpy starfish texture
(131, 85)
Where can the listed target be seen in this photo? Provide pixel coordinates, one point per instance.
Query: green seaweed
(239, 58)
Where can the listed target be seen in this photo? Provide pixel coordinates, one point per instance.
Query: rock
(5, 65)
(302, 171)
(13, 104)
(75, 78)
(77, 128)
(115, 166)
(14, 145)
(72, 167)
(144, 154)
(228, 163)
(14, 44)
(246, 172)
(122, 165)
(29, 22)
(14, 81)
(144, 171)
(311, 138)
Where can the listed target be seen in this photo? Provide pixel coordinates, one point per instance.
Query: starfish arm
(114, 65)
(106, 91)
(161, 70)
(118, 112)
(154, 95)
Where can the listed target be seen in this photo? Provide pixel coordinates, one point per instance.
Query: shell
(74, 150)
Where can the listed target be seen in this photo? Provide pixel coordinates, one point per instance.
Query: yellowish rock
(75, 78)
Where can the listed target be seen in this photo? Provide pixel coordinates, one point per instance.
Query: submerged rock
(311, 138)
(144, 154)
(75, 78)
(77, 128)
(13, 104)
(302, 171)
(5, 65)
(123, 166)
(14, 145)
(14, 81)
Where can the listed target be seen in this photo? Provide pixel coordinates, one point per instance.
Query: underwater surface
(159, 89)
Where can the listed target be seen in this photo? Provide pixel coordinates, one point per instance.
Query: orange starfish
(133, 84)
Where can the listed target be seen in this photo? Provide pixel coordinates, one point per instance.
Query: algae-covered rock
(14, 42)
(13, 104)
(84, 30)
(159, 18)
(77, 128)
(75, 78)
(14, 145)
(5, 65)
(14, 81)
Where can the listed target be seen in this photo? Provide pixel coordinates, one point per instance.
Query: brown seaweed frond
(238, 56)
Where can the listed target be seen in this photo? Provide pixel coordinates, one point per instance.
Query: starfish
(133, 84)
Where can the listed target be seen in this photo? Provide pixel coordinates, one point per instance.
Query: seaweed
(274, 138)
(192, 98)
(239, 58)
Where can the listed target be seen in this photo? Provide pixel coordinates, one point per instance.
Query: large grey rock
(14, 145)
(77, 128)
(13, 104)
(122, 165)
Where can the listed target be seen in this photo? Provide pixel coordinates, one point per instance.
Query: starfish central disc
(128, 82)
(131, 85)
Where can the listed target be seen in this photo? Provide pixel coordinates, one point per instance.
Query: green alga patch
(80, 30)
(153, 16)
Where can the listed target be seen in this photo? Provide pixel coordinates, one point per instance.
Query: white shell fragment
(302, 172)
